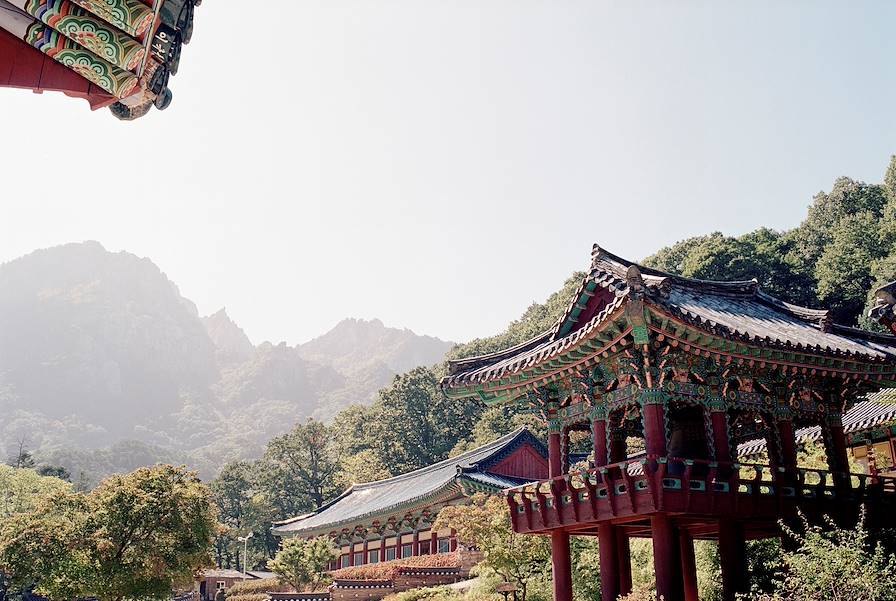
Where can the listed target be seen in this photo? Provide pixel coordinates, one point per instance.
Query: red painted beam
(22, 66)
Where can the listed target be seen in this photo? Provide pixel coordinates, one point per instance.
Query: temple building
(391, 519)
(113, 53)
(688, 370)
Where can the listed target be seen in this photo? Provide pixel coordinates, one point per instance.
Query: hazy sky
(440, 165)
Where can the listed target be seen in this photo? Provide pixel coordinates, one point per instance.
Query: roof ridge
(497, 443)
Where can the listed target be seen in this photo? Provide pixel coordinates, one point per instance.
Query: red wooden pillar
(601, 453)
(561, 564)
(351, 553)
(555, 460)
(719, 419)
(364, 552)
(733, 559)
(787, 436)
(666, 562)
(654, 415)
(839, 459)
(561, 559)
(415, 544)
(383, 548)
(625, 561)
(452, 541)
(433, 541)
(609, 562)
(688, 566)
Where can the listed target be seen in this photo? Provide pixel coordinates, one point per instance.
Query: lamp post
(245, 541)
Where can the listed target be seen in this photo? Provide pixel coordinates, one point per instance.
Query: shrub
(435, 593)
(265, 585)
(387, 570)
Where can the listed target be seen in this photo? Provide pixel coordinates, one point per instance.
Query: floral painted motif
(90, 32)
(114, 80)
(131, 16)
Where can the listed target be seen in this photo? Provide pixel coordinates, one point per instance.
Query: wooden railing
(652, 483)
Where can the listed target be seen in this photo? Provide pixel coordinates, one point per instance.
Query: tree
(836, 564)
(299, 468)
(358, 468)
(485, 523)
(301, 562)
(243, 507)
(133, 537)
(415, 424)
(22, 489)
(22, 458)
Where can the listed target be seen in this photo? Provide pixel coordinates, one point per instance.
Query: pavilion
(689, 369)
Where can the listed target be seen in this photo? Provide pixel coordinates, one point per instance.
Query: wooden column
(561, 564)
(452, 541)
(415, 544)
(383, 548)
(838, 460)
(555, 461)
(666, 561)
(625, 561)
(733, 558)
(599, 434)
(654, 416)
(561, 558)
(688, 566)
(609, 562)
(787, 436)
(719, 419)
(433, 541)
(364, 552)
(351, 553)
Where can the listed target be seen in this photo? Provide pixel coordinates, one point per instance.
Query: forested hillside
(844, 248)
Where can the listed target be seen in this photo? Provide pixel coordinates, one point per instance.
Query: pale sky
(441, 165)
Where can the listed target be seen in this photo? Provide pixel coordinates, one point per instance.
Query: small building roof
(223, 573)
(392, 495)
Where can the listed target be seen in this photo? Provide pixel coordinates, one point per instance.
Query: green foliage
(836, 564)
(134, 537)
(301, 464)
(263, 585)
(301, 562)
(22, 489)
(434, 593)
(485, 524)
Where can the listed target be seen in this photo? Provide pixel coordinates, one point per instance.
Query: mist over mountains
(104, 366)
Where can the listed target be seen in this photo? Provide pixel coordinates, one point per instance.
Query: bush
(388, 569)
(435, 593)
(248, 597)
(265, 585)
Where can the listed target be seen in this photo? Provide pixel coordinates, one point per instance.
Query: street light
(245, 541)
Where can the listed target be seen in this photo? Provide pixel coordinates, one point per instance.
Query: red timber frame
(645, 373)
(22, 66)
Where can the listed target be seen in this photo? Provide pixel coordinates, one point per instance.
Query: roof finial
(882, 311)
(595, 254)
(634, 279)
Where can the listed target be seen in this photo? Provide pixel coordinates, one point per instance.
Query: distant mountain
(104, 365)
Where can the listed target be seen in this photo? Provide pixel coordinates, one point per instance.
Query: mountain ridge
(99, 349)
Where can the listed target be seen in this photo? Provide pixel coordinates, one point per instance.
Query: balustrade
(651, 483)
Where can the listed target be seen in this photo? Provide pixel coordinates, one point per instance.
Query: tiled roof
(878, 409)
(737, 311)
(364, 500)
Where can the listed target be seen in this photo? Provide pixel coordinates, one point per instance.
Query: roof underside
(736, 311)
(374, 498)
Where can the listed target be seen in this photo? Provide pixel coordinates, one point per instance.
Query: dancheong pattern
(104, 74)
(90, 32)
(131, 16)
